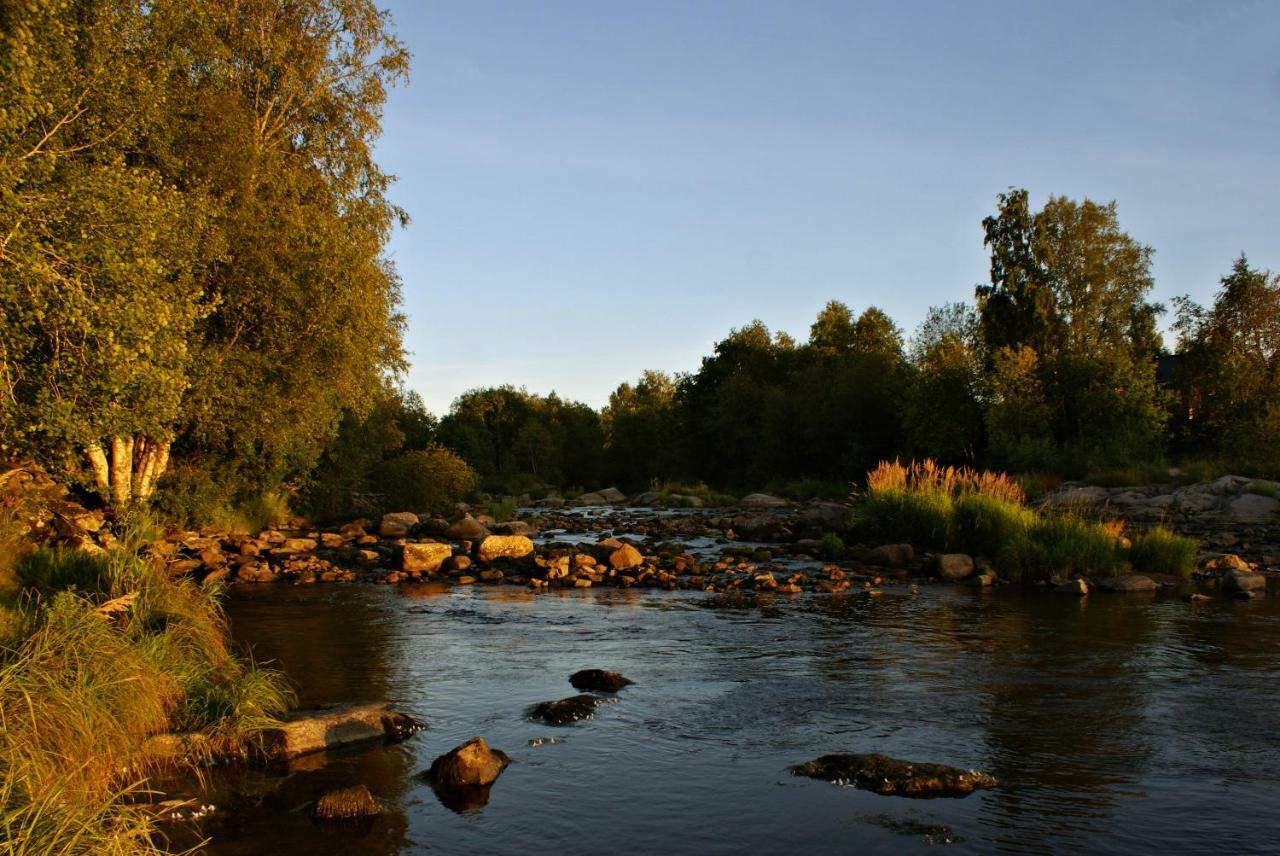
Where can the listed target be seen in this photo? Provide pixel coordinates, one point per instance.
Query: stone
(397, 524)
(893, 555)
(1197, 597)
(1243, 581)
(598, 680)
(331, 540)
(591, 499)
(612, 495)
(306, 731)
(299, 545)
(423, 558)
(1230, 562)
(893, 777)
(565, 711)
(953, 566)
(471, 764)
(1127, 584)
(503, 547)
(1254, 508)
(762, 500)
(346, 804)
(466, 529)
(1077, 587)
(514, 527)
(986, 579)
(625, 557)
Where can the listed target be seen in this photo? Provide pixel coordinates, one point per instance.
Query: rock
(424, 558)
(1254, 508)
(1243, 581)
(459, 563)
(892, 555)
(466, 529)
(346, 804)
(953, 566)
(565, 711)
(471, 764)
(591, 499)
(330, 540)
(1247, 595)
(1127, 584)
(761, 500)
(514, 527)
(646, 499)
(1077, 587)
(625, 557)
(299, 545)
(986, 579)
(503, 547)
(612, 495)
(306, 731)
(1079, 496)
(1197, 597)
(1230, 562)
(397, 524)
(599, 680)
(890, 776)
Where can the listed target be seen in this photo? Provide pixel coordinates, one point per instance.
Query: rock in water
(892, 777)
(424, 558)
(625, 557)
(1128, 584)
(346, 804)
(954, 566)
(1236, 580)
(469, 765)
(565, 711)
(503, 547)
(599, 680)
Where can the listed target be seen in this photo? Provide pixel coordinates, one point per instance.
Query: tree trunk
(130, 471)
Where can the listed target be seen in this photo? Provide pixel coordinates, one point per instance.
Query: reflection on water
(1113, 724)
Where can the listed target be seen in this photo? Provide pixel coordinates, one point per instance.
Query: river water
(1115, 724)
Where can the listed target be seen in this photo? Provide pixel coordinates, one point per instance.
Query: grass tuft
(1160, 551)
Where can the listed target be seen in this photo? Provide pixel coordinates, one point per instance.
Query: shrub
(832, 547)
(1160, 551)
(501, 510)
(983, 524)
(432, 479)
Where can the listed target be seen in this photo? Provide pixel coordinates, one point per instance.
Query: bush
(432, 480)
(832, 547)
(1159, 551)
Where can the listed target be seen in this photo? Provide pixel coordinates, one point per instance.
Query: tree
(1070, 285)
(944, 413)
(100, 258)
(1230, 370)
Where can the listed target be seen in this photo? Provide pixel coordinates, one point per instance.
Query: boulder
(423, 558)
(397, 524)
(599, 680)
(625, 557)
(646, 499)
(1236, 580)
(762, 500)
(513, 527)
(1254, 508)
(612, 495)
(503, 547)
(565, 711)
(1230, 562)
(466, 529)
(470, 765)
(592, 498)
(893, 777)
(892, 555)
(1079, 588)
(1127, 584)
(306, 731)
(346, 804)
(953, 566)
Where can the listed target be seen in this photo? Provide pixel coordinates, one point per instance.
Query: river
(1115, 723)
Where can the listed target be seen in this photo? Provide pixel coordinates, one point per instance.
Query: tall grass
(111, 652)
(985, 513)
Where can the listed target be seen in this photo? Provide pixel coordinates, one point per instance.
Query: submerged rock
(1127, 584)
(565, 711)
(891, 776)
(892, 555)
(598, 679)
(307, 731)
(1237, 581)
(1076, 587)
(346, 804)
(472, 764)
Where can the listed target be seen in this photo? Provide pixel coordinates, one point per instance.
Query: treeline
(1057, 365)
(193, 291)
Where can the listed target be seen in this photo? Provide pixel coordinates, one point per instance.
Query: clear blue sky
(602, 187)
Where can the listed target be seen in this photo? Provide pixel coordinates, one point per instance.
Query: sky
(597, 188)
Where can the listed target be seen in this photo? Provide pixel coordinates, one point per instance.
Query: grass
(710, 498)
(501, 510)
(105, 652)
(984, 513)
(1159, 551)
(832, 547)
(265, 511)
(1263, 488)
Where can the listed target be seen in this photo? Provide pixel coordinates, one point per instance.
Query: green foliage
(501, 510)
(984, 524)
(1159, 551)
(1261, 488)
(832, 548)
(431, 479)
(639, 425)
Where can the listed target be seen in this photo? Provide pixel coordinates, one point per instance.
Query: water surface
(1116, 724)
